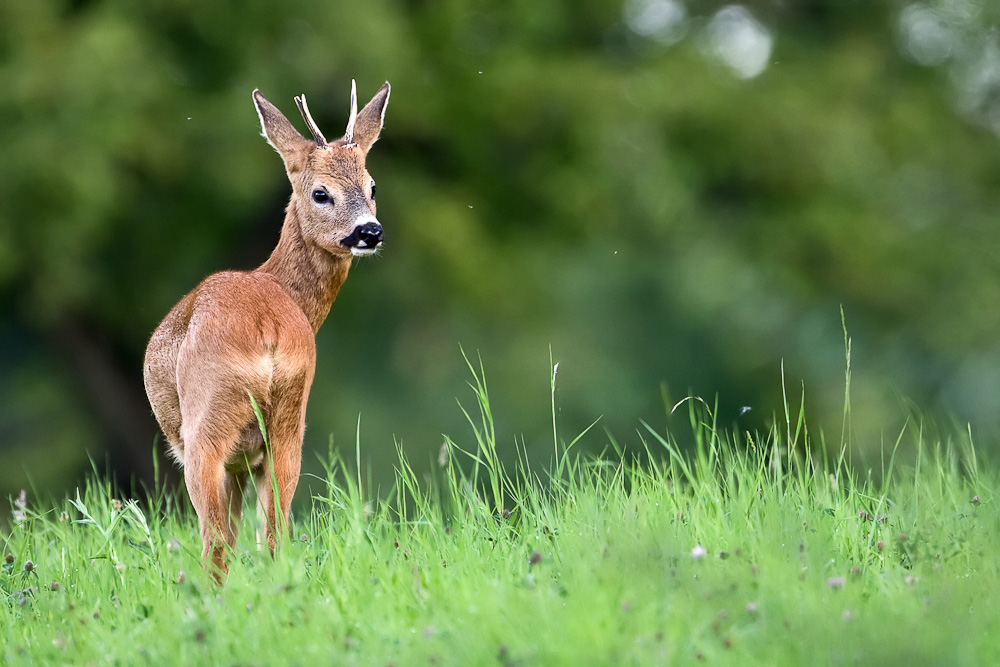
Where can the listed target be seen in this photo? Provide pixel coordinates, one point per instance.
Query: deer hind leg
(278, 475)
(217, 496)
(276, 481)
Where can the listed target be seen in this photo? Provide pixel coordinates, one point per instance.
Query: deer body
(239, 334)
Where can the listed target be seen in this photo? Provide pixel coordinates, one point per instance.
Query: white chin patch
(361, 252)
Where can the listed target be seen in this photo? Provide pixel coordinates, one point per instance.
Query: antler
(304, 109)
(349, 135)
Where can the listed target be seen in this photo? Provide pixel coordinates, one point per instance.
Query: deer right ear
(365, 126)
(280, 133)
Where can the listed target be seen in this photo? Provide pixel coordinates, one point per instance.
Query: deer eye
(320, 196)
(373, 190)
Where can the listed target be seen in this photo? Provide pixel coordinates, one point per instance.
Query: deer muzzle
(364, 238)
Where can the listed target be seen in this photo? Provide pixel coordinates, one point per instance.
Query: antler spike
(307, 117)
(349, 135)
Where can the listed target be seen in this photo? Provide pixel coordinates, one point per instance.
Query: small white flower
(698, 552)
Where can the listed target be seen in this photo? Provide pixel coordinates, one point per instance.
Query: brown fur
(240, 332)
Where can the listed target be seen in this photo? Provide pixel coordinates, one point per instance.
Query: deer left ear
(291, 146)
(369, 121)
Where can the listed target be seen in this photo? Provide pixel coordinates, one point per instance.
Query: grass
(750, 550)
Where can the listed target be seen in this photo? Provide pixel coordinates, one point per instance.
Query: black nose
(369, 235)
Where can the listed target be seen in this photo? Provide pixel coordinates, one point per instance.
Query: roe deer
(243, 334)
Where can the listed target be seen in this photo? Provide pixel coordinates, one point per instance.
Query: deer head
(332, 192)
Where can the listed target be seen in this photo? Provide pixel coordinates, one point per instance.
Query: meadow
(753, 549)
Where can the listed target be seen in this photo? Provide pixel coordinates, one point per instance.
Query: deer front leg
(234, 488)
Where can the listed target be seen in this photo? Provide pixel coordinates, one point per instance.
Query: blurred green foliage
(599, 177)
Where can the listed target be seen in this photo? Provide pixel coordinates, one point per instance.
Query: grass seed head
(21, 502)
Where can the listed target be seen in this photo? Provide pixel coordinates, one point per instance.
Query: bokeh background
(674, 197)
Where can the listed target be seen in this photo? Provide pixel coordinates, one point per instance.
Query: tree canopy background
(675, 197)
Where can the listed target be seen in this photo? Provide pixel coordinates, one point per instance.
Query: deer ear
(278, 131)
(369, 121)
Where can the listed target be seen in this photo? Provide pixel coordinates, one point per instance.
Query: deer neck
(311, 276)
